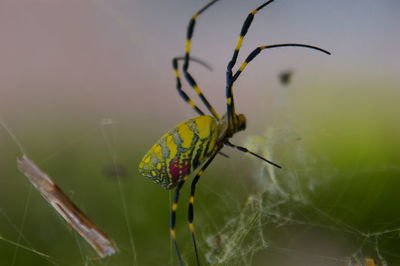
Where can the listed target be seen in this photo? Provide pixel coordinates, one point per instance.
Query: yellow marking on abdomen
(173, 148)
(206, 125)
(157, 151)
(186, 135)
(147, 159)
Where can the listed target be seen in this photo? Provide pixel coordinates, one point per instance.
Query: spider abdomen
(180, 151)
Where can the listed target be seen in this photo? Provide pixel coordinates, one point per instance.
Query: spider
(195, 142)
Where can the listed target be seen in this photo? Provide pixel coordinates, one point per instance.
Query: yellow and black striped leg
(183, 94)
(257, 51)
(173, 219)
(231, 64)
(191, 206)
(194, 85)
(242, 149)
(187, 75)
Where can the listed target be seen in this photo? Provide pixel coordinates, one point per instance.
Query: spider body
(185, 147)
(194, 143)
(180, 151)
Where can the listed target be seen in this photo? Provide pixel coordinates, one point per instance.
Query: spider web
(309, 213)
(285, 218)
(304, 214)
(283, 213)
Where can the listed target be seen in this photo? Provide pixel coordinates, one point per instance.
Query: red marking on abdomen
(178, 171)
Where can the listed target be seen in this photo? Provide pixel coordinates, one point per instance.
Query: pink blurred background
(102, 58)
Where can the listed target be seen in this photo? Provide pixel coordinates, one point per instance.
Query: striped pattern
(187, 75)
(191, 201)
(229, 77)
(257, 51)
(196, 88)
(183, 94)
(180, 151)
(172, 222)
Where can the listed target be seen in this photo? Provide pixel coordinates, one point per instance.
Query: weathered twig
(66, 208)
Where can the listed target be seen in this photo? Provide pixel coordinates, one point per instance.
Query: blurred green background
(87, 86)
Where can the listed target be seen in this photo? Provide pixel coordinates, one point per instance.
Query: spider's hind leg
(173, 219)
(191, 202)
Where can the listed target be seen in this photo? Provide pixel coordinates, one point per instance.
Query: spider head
(241, 122)
(227, 130)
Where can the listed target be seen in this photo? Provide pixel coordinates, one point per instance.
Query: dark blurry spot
(223, 154)
(285, 77)
(114, 171)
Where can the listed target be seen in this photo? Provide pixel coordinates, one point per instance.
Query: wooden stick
(99, 241)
